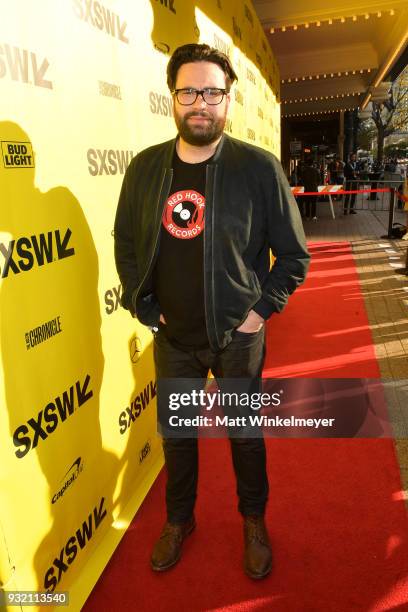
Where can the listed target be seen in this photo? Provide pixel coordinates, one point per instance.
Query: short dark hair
(199, 53)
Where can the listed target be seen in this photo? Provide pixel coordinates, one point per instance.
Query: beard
(200, 135)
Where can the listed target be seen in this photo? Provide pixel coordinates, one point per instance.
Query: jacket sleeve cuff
(264, 308)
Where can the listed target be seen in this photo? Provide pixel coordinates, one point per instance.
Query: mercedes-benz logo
(135, 349)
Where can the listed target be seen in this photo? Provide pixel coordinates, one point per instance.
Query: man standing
(350, 174)
(196, 219)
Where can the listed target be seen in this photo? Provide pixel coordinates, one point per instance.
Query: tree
(391, 115)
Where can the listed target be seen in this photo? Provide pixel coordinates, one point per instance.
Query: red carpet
(338, 524)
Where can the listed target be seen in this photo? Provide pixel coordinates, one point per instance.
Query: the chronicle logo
(75, 543)
(109, 90)
(137, 406)
(70, 477)
(27, 436)
(17, 154)
(112, 299)
(145, 451)
(108, 161)
(43, 332)
(24, 66)
(160, 104)
(23, 254)
(98, 16)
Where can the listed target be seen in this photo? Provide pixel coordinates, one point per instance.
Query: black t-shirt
(179, 272)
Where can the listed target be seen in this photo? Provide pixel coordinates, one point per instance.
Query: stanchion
(391, 212)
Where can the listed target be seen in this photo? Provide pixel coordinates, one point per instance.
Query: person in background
(311, 180)
(350, 173)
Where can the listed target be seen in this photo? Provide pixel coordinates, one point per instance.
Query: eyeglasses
(210, 95)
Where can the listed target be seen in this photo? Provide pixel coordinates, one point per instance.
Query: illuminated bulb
(379, 14)
(325, 75)
(303, 78)
(289, 80)
(310, 78)
(283, 29)
(366, 16)
(361, 71)
(369, 70)
(346, 73)
(296, 79)
(317, 76)
(392, 12)
(354, 72)
(331, 74)
(342, 20)
(306, 25)
(295, 27)
(272, 30)
(339, 74)
(318, 23)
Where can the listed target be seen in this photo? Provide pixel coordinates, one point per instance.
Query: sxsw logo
(98, 16)
(17, 154)
(113, 299)
(169, 4)
(75, 543)
(248, 15)
(236, 29)
(27, 436)
(160, 104)
(23, 254)
(108, 161)
(23, 66)
(137, 406)
(221, 45)
(228, 126)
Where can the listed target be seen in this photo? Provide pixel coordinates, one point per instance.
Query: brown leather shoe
(258, 554)
(167, 550)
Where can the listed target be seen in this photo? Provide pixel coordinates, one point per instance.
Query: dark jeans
(311, 206)
(242, 358)
(350, 198)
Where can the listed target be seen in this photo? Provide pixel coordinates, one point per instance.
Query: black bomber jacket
(249, 211)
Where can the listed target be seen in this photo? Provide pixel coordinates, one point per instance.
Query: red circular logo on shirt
(183, 216)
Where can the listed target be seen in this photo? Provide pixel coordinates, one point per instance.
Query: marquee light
(324, 76)
(329, 21)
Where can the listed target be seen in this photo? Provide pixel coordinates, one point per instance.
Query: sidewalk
(385, 292)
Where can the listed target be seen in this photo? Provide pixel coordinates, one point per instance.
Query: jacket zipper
(210, 309)
(160, 209)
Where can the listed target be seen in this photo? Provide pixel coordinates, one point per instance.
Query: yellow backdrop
(82, 91)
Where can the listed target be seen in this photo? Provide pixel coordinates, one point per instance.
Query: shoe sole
(163, 568)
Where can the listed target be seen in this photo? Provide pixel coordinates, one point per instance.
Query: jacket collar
(170, 147)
